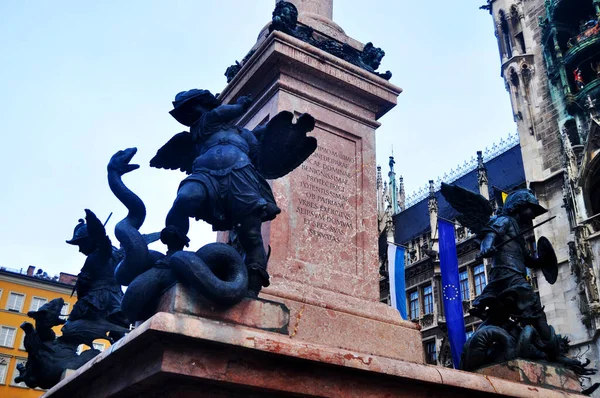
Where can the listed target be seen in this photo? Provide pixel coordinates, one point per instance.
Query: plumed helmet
(184, 101)
(79, 234)
(521, 198)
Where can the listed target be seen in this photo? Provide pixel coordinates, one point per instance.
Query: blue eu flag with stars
(453, 308)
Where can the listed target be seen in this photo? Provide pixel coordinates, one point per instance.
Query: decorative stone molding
(570, 160)
(432, 204)
(527, 71)
(445, 357)
(401, 194)
(482, 176)
(580, 261)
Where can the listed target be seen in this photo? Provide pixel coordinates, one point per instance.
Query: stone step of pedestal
(256, 313)
(175, 355)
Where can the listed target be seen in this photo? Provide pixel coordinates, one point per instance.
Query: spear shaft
(526, 230)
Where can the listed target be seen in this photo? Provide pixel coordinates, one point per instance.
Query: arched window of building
(572, 132)
(594, 190)
(517, 28)
(505, 33)
(514, 77)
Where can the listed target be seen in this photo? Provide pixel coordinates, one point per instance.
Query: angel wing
(474, 209)
(178, 153)
(284, 145)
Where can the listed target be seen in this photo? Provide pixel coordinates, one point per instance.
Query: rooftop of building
(63, 279)
(505, 172)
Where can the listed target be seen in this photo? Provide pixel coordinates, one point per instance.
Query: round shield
(547, 259)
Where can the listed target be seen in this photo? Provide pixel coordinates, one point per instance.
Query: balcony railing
(583, 36)
(583, 44)
(426, 321)
(591, 89)
(593, 223)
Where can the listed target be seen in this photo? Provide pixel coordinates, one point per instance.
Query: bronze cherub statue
(228, 166)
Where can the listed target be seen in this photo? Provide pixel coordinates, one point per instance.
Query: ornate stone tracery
(482, 177)
(489, 153)
(580, 261)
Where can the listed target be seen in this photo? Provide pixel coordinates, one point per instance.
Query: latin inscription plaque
(325, 203)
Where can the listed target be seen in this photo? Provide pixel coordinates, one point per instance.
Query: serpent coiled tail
(493, 344)
(216, 271)
(489, 344)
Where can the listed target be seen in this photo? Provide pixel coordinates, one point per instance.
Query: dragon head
(119, 162)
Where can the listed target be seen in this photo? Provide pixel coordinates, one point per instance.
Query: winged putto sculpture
(228, 166)
(514, 323)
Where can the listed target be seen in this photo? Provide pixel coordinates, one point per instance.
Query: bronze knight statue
(96, 314)
(98, 293)
(514, 323)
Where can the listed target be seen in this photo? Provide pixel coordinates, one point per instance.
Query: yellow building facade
(22, 291)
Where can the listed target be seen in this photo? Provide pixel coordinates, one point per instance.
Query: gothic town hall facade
(549, 53)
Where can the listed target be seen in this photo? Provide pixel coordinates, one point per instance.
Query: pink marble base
(540, 374)
(322, 324)
(184, 356)
(359, 331)
(256, 313)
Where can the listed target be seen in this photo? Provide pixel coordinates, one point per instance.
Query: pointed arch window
(517, 28)
(505, 34)
(572, 132)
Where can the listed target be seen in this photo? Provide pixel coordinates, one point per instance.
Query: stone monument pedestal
(246, 351)
(539, 374)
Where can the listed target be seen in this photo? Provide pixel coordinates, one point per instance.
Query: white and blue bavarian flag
(453, 308)
(397, 283)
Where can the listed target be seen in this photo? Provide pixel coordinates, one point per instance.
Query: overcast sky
(80, 80)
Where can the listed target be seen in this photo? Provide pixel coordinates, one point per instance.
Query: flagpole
(397, 244)
(449, 221)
